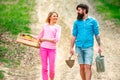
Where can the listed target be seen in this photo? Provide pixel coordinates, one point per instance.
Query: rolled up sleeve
(74, 30)
(58, 34)
(41, 34)
(96, 27)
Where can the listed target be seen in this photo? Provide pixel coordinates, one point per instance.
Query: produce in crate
(28, 37)
(29, 40)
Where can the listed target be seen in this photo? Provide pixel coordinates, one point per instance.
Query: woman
(48, 37)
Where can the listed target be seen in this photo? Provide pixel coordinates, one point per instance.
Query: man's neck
(84, 17)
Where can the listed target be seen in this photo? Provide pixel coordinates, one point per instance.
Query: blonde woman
(49, 36)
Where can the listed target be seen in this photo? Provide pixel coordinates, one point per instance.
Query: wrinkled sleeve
(41, 34)
(74, 30)
(58, 34)
(95, 27)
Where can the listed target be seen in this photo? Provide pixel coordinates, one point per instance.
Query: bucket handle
(70, 57)
(101, 55)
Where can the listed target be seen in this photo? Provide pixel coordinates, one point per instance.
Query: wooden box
(28, 40)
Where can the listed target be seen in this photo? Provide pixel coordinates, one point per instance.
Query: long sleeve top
(50, 32)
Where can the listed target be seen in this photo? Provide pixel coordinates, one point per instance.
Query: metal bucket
(100, 66)
(70, 62)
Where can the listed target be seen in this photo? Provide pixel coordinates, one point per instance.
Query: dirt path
(30, 68)
(110, 39)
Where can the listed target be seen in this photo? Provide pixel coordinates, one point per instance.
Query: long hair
(49, 15)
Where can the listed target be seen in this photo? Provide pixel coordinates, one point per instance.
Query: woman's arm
(41, 34)
(49, 40)
(58, 34)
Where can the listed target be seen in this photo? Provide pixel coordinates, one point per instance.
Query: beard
(80, 16)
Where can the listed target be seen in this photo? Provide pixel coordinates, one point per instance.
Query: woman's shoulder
(58, 26)
(45, 24)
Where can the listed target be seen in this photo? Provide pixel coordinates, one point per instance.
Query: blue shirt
(84, 31)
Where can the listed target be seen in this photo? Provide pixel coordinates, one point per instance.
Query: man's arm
(72, 44)
(98, 42)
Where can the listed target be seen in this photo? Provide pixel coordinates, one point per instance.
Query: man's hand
(73, 38)
(71, 51)
(99, 50)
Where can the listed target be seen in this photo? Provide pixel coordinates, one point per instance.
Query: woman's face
(54, 18)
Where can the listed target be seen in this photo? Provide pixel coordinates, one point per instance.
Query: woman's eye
(54, 16)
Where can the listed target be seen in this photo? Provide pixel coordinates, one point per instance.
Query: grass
(3, 50)
(1, 74)
(110, 9)
(15, 17)
(11, 58)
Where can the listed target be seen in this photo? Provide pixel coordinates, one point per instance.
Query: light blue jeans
(85, 55)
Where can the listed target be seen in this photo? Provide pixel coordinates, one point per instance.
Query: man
(83, 32)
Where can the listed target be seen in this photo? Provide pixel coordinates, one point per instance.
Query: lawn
(14, 19)
(15, 15)
(110, 9)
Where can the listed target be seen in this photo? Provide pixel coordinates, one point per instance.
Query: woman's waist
(48, 45)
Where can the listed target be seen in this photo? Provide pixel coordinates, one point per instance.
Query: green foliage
(15, 17)
(114, 2)
(1, 74)
(3, 51)
(11, 56)
(110, 9)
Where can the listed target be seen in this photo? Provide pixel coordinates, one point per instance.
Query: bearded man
(83, 32)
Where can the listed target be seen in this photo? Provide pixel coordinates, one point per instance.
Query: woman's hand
(41, 40)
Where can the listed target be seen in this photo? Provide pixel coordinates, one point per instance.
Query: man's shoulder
(91, 18)
(76, 21)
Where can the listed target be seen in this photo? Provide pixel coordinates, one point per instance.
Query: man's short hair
(83, 6)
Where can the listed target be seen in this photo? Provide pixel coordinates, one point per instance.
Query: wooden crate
(28, 40)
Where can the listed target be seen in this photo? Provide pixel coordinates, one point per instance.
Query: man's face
(80, 13)
(80, 10)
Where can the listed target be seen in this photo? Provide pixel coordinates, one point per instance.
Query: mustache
(80, 16)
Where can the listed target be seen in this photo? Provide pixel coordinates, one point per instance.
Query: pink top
(50, 32)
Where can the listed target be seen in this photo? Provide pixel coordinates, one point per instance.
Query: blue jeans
(85, 55)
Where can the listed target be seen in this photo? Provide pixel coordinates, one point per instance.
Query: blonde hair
(49, 15)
